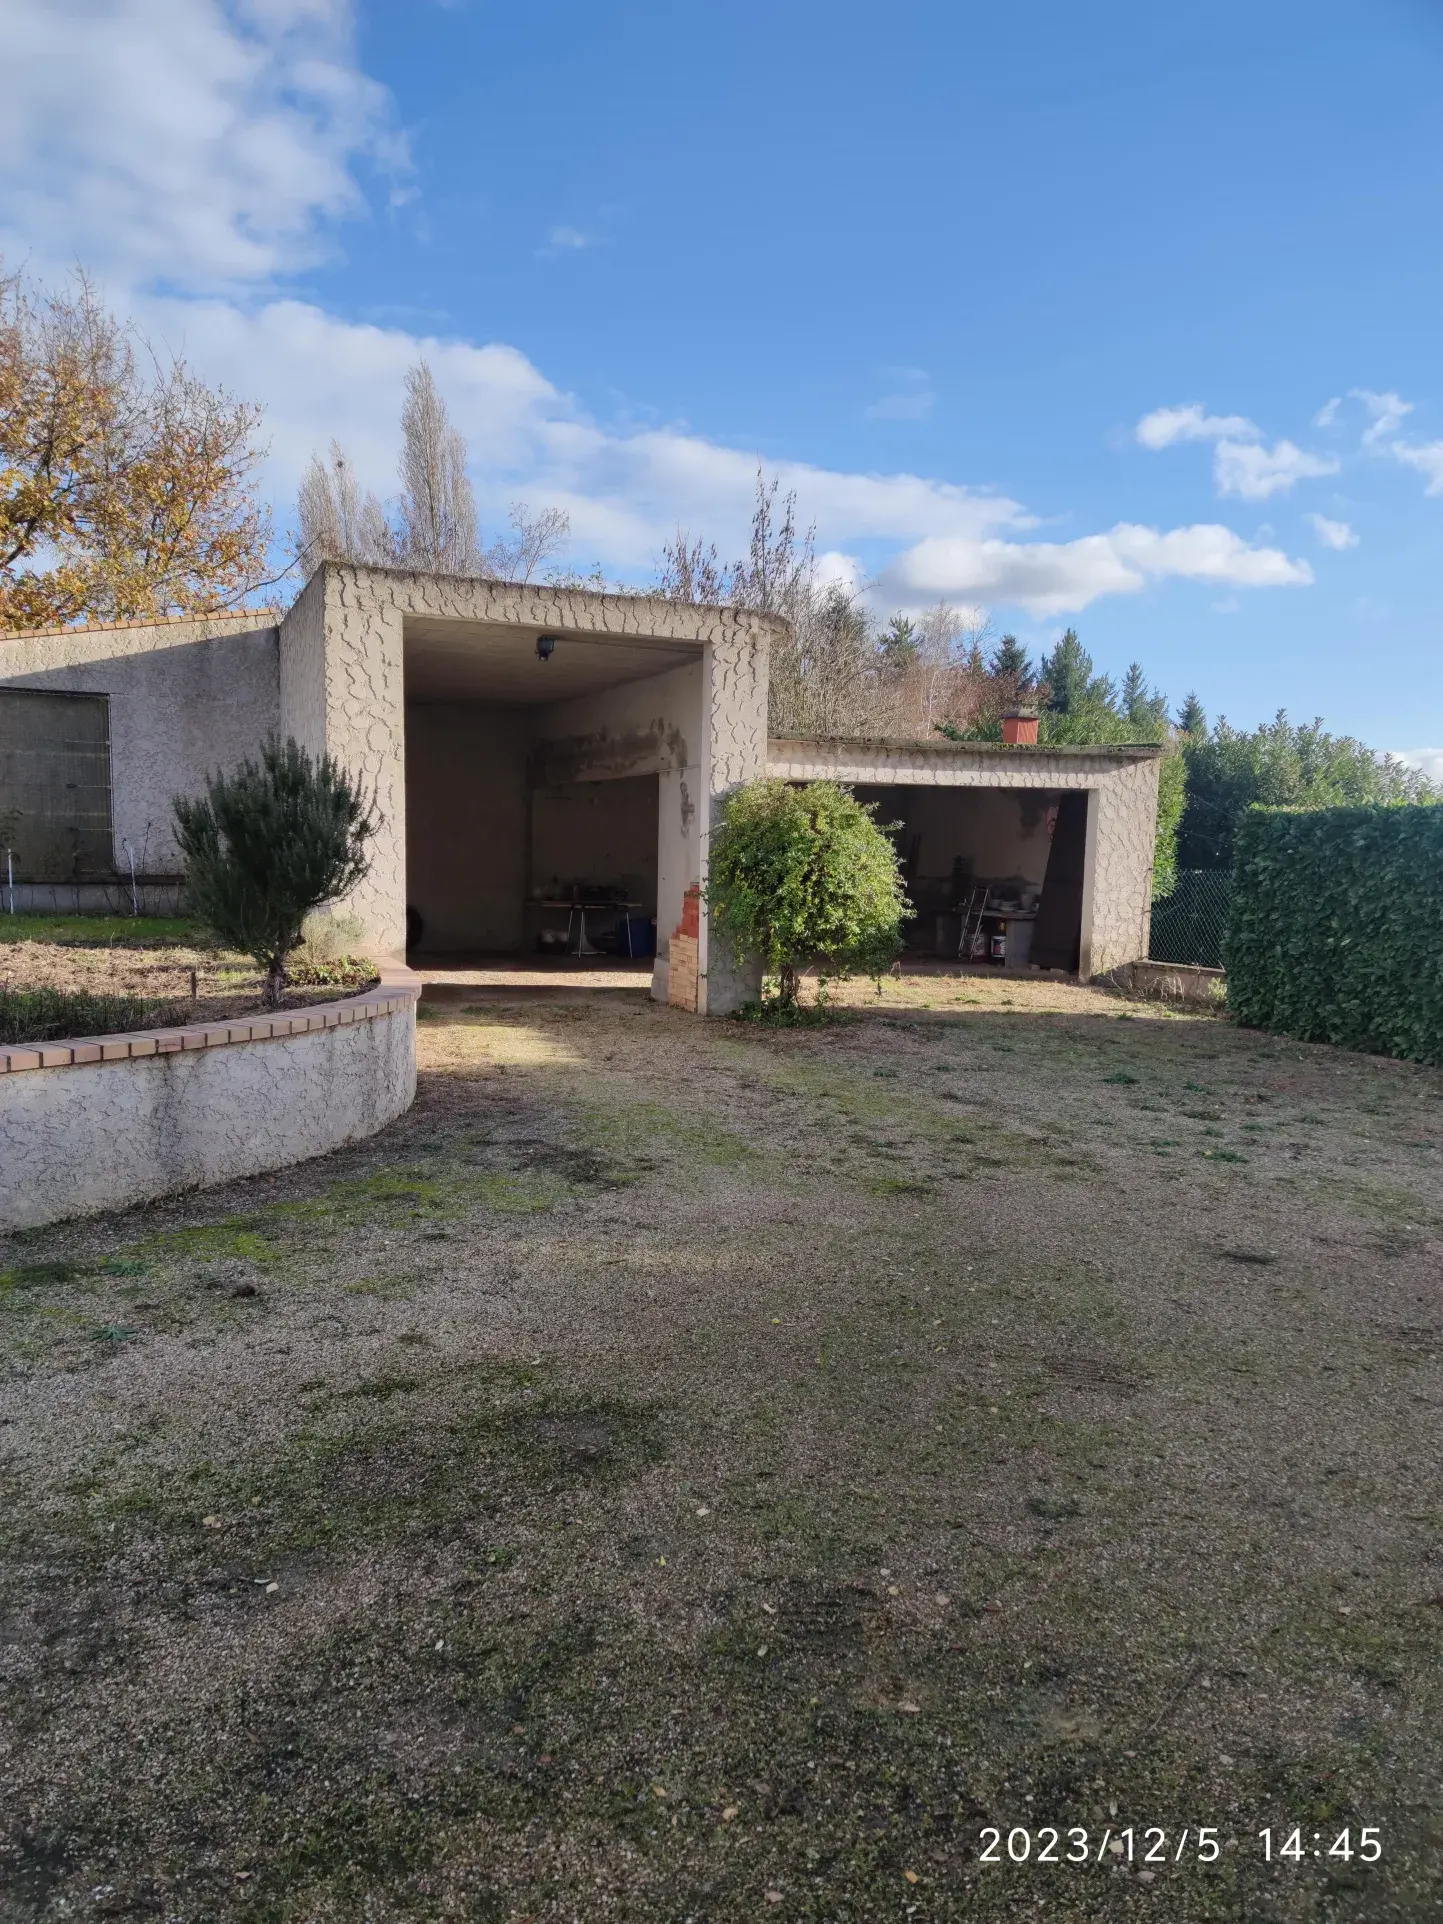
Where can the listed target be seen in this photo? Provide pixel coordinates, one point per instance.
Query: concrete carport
(522, 739)
(1076, 825)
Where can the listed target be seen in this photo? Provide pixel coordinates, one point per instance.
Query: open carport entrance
(546, 812)
(995, 875)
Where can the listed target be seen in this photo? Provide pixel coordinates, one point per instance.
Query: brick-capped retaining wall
(104, 1122)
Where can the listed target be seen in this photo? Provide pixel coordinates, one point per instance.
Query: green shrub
(266, 846)
(1336, 932)
(53, 1015)
(803, 875)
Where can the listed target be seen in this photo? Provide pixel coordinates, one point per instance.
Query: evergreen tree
(1010, 663)
(1192, 719)
(899, 644)
(266, 845)
(1070, 682)
(1143, 707)
(1283, 765)
(1072, 687)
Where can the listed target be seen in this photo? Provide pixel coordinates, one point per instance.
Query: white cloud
(1164, 426)
(1427, 458)
(1242, 466)
(1429, 761)
(1333, 534)
(1327, 414)
(1050, 578)
(1255, 473)
(845, 570)
(566, 240)
(1386, 413)
(194, 152)
(180, 141)
(900, 407)
(911, 397)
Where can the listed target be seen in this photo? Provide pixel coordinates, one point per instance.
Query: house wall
(603, 832)
(187, 698)
(1002, 832)
(466, 824)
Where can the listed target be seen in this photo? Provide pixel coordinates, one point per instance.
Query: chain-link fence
(1189, 925)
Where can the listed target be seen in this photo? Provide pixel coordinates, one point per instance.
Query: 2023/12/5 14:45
(1296, 1846)
(1194, 1843)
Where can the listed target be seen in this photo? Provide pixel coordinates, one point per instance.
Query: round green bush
(805, 875)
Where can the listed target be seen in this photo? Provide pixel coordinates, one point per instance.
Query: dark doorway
(1057, 940)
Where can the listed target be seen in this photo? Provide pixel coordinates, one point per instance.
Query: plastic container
(636, 936)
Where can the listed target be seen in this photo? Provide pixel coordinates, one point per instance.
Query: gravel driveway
(692, 1471)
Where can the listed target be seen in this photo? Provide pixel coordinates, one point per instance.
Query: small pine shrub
(267, 846)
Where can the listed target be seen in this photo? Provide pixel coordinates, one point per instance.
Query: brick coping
(398, 989)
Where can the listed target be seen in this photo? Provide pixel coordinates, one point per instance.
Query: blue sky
(1123, 315)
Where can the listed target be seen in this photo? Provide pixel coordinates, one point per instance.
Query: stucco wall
(94, 1136)
(1002, 832)
(187, 698)
(466, 824)
(1122, 831)
(603, 832)
(734, 743)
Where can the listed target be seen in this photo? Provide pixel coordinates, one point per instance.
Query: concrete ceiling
(497, 662)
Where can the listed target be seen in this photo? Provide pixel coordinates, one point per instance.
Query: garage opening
(537, 778)
(995, 875)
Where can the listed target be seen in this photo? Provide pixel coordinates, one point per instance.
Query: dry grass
(687, 1471)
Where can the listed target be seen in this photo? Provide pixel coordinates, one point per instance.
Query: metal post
(134, 898)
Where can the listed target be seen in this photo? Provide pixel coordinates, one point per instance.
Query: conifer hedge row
(1336, 932)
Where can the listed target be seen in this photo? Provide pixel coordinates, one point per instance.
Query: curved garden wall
(87, 1126)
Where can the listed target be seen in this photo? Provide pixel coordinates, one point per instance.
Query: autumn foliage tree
(124, 479)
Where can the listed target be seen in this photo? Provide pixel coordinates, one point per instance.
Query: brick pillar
(683, 981)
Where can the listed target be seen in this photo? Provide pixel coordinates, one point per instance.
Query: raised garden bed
(66, 976)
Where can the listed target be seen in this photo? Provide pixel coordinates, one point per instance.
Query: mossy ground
(688, 1471)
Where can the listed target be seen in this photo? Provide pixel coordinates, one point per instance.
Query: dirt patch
(683, 1471)
(171, 982)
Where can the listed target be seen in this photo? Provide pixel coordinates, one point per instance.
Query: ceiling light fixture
(545, 647)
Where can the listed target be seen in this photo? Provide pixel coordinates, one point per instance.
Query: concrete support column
(734, 738)
(343, 695)
(1117, 885)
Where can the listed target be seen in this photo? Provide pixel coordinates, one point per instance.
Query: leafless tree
(691, 570)
(437, 508)
(534, 538)
(340, 521)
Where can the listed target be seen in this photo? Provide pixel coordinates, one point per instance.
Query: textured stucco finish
(85, 1137)
(187, 698)
(737, 666)
(1121, 784)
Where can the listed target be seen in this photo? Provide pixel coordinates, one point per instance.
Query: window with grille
(55, 785)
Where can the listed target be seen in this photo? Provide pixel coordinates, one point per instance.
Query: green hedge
(1337, 927)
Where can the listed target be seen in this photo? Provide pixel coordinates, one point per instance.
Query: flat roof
(261, 617)
(866, 747)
